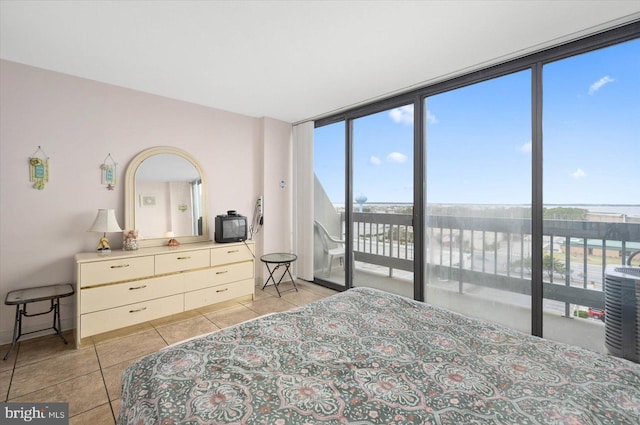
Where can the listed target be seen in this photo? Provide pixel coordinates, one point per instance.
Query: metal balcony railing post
(585, 258)
(461, 261)
(567, 272)
(484, 250)
(391, 248)
(508, 254)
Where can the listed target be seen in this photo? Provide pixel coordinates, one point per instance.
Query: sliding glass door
(382, 205)
(329, 207)
(478, 144)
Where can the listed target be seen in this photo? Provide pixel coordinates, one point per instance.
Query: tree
(557, 267)
(563, 213)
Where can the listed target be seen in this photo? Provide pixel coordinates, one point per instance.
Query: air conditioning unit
(622, 311)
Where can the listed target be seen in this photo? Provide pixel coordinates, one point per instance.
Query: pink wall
(78, 122)
(277, 188)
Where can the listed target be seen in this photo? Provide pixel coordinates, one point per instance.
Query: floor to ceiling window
(383, 200)
(478, 144)
(530, 190)
(591, 134)
(328, 206)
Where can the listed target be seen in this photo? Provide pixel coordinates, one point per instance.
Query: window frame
(533, 62)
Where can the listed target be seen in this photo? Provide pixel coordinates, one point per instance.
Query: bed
(364, 356)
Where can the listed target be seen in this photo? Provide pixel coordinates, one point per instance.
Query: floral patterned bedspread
(368, 357)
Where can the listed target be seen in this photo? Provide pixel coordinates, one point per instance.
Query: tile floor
(44, 369)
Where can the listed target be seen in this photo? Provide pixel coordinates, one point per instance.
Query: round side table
(274, 262)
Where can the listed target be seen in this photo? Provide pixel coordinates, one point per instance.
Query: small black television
(230, 228)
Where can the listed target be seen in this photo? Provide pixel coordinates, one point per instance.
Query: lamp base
(104, 252)
(103, 245)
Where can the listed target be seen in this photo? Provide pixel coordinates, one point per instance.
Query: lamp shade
(105, 222)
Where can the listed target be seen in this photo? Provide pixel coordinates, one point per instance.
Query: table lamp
(104, 223)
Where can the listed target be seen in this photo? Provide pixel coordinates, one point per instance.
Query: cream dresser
(124, 288)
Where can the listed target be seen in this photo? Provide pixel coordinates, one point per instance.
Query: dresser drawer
(217, 294)
(231, 254)
(110, 296)
(107, 271)
(181, 261)
(218, 275)
(115, 318)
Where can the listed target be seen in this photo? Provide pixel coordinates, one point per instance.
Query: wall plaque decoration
(39, 168)
(108, 169)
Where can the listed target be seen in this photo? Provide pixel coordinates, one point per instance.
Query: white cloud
(397, 157)
(404, 115)
(375, 160)
(598, 84)
(431, 119)
(526, 148)
(578, 174)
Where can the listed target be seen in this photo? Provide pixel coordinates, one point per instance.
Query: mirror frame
(130, 196)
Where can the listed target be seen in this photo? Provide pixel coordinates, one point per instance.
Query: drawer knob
(120, 266)
(222, 290)
(183, 258)
(138, 310)
(137, 287)
(232, 251)
(223, 272)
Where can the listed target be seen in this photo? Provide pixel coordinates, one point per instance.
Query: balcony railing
(495, 252)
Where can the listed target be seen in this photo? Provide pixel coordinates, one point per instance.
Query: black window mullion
(419, 198)
(348, 211)
(536, 200)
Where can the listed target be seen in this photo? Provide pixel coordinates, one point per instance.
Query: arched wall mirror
(165, 197)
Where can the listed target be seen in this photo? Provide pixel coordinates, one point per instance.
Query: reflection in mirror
(165, 197)
(168, 191)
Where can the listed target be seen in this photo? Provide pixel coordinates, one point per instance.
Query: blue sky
(479, 139)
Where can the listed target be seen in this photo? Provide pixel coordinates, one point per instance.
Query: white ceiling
(289, 60)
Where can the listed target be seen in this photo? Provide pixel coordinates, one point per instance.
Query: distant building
(612, 249)
(612, 217)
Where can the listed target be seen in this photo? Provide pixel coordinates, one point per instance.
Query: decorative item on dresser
(104, 223)
(131, 287)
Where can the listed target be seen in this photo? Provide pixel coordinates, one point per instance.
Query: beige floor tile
(189, 328)
(267, 293)
(232, 316)
(83, 393)
(11, 360)
(175, 318)
(223, 305)
(101, 415)
(115, 406)
(270, 305)
(5, 380)
(284, 288)
(121, 333)
(45, 347)
(45, 373)
(315, 288)
(302, 297)
(112, 376)
(129, 347)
